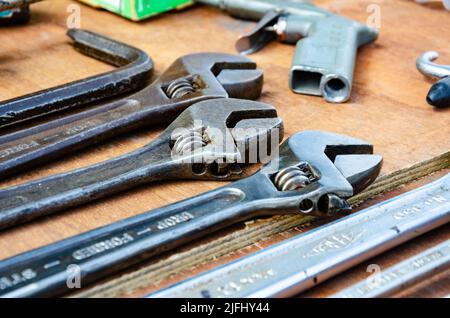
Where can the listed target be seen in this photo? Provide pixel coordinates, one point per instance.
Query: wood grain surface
(387, 108)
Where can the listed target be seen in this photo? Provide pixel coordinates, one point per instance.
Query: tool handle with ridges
(43, 272)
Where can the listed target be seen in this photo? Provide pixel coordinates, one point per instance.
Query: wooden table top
(387, 108)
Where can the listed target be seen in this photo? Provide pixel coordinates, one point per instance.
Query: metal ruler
(297, 264)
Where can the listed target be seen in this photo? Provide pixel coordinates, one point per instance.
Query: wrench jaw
(257, 139)
(236, 74)
(360, 170)
(320, 170)
(201, 76)
(214, 145)
(244, 84)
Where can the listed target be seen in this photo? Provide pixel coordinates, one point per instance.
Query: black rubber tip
(439, 95)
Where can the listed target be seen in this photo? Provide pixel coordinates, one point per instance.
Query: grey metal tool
(439, 94)
(162, 159)
(407, 273)
(314, 173)
(327, 44)
(292, 266)
(134, 72)
(189, 80)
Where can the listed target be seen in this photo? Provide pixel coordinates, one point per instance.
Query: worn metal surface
(427, 67)
(134, 72)
(439, 94)
(324, 61)
(189, 80)
(302, 262)
(407, 273)
(211, 146)
(336, 167)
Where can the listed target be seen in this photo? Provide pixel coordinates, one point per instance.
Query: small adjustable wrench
(314, 173)
(220, 134)
(189, 80)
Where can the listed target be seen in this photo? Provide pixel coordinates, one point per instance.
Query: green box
(138, 9)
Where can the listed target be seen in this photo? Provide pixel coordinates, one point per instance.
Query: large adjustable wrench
(174, 155)
(189, 80)
(314, 173)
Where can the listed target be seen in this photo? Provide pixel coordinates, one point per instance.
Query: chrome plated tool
(189, 80)
(314, 173)
(292, 266)
(397, 278)
(134, 72)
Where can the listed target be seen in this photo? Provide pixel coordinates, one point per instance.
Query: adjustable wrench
(290, 267)
(164, 158)
(135, 70)
(313, 174)
(189, 80)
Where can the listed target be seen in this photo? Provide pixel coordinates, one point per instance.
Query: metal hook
(428, 68)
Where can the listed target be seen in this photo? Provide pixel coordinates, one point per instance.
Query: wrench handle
(23, 149)
(46, 271)
(136, 67)
(28, 201)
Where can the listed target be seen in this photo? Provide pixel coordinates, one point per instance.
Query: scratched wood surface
(387, 108)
